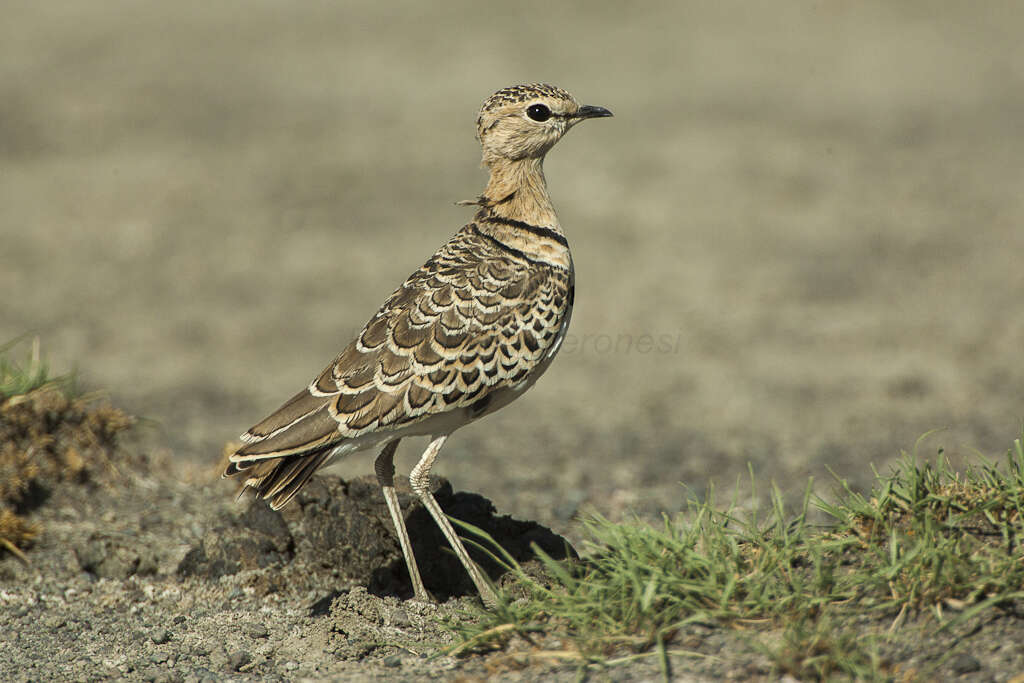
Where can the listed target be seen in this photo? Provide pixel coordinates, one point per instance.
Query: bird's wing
(476, 317)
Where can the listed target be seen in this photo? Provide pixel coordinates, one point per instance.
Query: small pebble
(964, 664)
(158, 657)
(160, 636)
(392, 661)
(400, 618)
(54, 622)
(257, 631)
(180, 619)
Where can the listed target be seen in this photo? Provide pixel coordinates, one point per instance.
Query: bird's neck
(516, 211)
(518, 191)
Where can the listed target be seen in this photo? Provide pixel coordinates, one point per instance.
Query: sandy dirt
(798, 243)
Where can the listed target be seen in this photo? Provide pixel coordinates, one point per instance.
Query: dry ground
(816, 207)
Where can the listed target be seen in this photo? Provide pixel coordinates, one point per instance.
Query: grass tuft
(20, 378)
(929, 538)
(926, 543)
(49, 434)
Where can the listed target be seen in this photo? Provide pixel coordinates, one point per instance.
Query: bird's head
(525, 121)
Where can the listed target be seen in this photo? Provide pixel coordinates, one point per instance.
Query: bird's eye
(538, 112)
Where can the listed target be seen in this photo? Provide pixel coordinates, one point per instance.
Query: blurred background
(815, 211)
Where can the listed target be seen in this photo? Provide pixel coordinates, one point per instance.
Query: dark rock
(392, 661)
(344, 527)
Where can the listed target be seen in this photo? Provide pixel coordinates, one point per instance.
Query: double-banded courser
(464, 335)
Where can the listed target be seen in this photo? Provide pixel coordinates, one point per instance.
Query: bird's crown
(515, 94)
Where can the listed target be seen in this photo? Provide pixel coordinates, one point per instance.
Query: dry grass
(49, 434)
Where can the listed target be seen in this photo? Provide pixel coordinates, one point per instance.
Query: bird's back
(479, 319)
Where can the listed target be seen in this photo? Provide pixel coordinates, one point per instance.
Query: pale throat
(521, 184)
(518, 192)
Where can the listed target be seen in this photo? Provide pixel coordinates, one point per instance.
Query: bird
(466, 334)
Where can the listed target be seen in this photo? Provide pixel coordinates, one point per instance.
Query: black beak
(589, 111)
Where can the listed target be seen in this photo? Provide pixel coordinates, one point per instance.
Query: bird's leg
(419, 478)
(384, 466)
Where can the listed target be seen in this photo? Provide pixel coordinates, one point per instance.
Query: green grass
(18, 378)
(927, 543)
